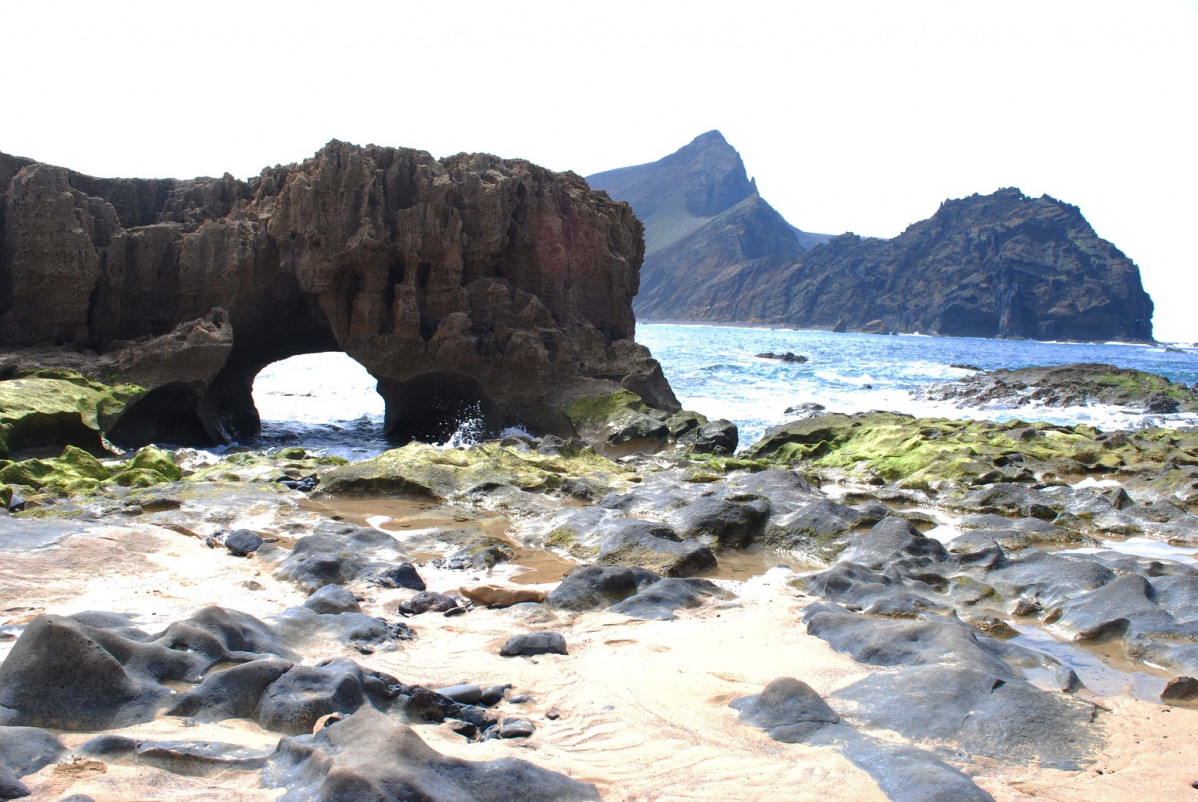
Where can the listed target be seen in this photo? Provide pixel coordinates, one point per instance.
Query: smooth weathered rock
(24, 750)
(230, 693)
(332, 599)
(662, 599)
(200, 758)
(57, 675)
(502, 595)
(606, 538)
(338, 553)
(597, 586)
(369, 756)
(529, 644)
(721, 523)
(303, 694)
(788, 709)
(427, 601)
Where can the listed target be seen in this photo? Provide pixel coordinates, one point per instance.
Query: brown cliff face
(470, 282)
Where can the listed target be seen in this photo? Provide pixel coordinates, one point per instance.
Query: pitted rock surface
(471, 281)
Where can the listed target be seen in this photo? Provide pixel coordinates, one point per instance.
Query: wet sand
(643, 704)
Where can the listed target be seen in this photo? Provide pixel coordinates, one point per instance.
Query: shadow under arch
(431, 407)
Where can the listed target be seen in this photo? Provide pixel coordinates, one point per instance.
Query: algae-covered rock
(425, 471)
(620, 418)
(1071, 385)
(920, 452)
(149, 466)
(622, 422)
(76, 471)
(53, 408)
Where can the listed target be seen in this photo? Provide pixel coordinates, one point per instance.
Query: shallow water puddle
(742, 564)
(1143, 547)
(1104, 674)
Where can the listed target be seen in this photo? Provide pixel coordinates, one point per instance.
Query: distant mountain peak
(997, 265)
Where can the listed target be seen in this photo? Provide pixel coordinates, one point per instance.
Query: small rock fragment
(532, 643)
(516, 728)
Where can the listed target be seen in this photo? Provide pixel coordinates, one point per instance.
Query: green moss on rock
(425, 471)
(76, 471)
(57, 408)
(918, 452)
(147, 462)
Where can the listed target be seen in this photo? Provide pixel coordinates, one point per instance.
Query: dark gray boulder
(57, 675)
(299, 626)
(332, 599)
(819, 527)
(892, 540)
(721, 523)
(231, 692)
(427, 601)
(200, 758)
(908, 774)
(661, 599)
(369, 756)
(788, 709)
(24, 750)
(598, 586)
(717, 437)
(986, 712)
(293, 702)
(337, 553)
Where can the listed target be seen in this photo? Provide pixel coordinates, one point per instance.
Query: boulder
(661, 599)
(788, 709)
(595, 586)
(371, 756)
(294, 702)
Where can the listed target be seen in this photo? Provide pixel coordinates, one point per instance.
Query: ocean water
(327, 401)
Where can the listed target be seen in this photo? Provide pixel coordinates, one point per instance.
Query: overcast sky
(858, 116)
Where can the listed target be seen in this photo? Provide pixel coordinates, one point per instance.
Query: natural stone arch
(470, 279)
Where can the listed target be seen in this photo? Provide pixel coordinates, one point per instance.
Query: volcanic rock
(999, 265)
(469, 287)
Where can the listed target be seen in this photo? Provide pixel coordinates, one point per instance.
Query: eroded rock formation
(466, 285)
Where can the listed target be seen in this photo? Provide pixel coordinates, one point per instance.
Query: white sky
(858, 116)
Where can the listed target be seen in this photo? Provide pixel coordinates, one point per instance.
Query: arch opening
(321, 400)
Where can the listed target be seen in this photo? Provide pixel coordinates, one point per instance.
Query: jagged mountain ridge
(999, 265)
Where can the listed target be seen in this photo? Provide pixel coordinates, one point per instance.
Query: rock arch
(469, 280)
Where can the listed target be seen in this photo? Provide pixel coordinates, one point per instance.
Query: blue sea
(327, 401)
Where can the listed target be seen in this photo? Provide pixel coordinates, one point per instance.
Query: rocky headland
(999, 265)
